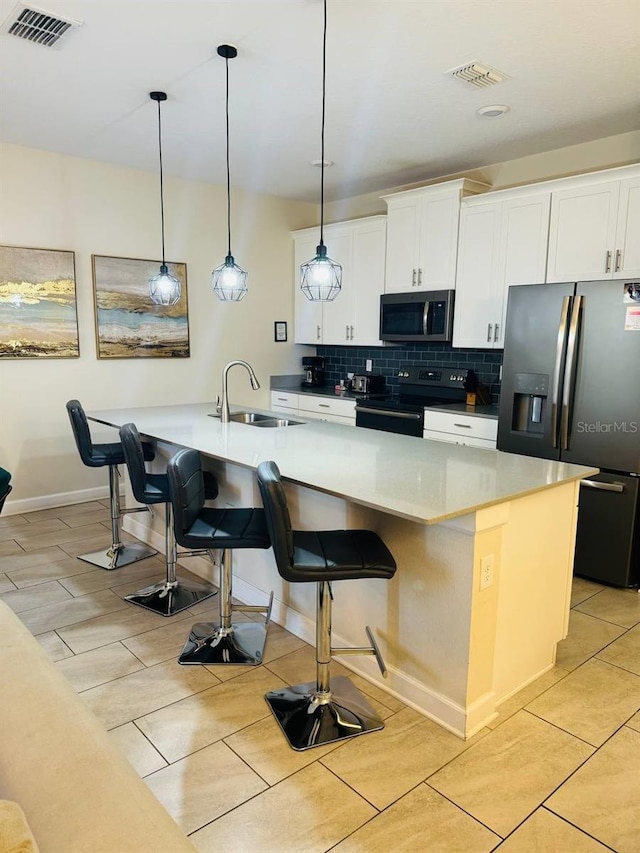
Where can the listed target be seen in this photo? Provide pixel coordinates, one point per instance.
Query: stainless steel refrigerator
(571, 392)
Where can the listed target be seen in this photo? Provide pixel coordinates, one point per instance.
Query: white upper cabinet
(352, 318)
(502, 243)
(595, 229)
(308, 314)
(422, 236)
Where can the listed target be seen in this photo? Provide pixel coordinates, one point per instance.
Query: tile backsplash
(388, 360)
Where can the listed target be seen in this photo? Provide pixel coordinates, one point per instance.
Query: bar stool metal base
(169, 598)
(307, 719)
(242, 643)
(115, 558)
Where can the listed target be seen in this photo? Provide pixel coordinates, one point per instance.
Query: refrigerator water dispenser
(530, 393)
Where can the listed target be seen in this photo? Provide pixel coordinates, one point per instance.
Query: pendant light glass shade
(229, 281)
(164, 288)
(321, 278)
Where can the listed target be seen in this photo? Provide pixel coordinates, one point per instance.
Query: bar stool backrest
(277, 515)
(80, 427)
(186, 487)
(134, 457)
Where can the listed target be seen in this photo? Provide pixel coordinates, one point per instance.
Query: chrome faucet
(224, 411)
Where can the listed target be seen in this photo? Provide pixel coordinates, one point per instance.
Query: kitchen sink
(252, 418)
(256, 419)
(276, 422)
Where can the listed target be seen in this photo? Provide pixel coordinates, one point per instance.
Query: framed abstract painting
(128, 323)
(38, 316)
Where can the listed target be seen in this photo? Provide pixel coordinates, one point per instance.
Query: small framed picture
(280, 331)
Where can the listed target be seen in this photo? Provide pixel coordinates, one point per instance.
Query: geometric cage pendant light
(164, 288)
(321, 278)
(229, 281)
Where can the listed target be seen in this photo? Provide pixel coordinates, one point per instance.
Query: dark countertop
(292, 386)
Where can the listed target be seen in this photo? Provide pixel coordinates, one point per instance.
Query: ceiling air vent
(36, 25)
(478, 74)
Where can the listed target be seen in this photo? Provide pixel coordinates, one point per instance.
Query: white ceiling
(393, 115)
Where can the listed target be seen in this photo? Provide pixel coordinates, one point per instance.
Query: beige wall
(586, 157)
(53, 201)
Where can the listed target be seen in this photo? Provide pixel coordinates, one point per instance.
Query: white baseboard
(17, 507)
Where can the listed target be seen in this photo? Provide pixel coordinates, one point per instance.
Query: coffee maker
(313, 371)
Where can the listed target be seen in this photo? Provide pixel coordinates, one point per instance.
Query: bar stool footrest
(114, 559)
(242, 644)
(306, 723)
(167, 599)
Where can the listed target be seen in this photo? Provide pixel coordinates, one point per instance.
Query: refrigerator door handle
(569, 377)
(562, 333)
(603, 487)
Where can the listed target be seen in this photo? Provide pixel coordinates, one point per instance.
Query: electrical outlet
(368, 366)
(486, 571)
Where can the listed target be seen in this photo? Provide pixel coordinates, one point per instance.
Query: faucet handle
(218, 404)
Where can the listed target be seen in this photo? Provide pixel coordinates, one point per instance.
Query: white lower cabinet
(337, 410)
(461, 429)
(315, 407)
(283, 401)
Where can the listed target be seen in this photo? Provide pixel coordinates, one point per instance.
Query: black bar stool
(111, 455)
(206, 529)
(330, 709)
(5, 486)
(172, 595)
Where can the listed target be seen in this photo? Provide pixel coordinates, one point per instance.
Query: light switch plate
(368, 366)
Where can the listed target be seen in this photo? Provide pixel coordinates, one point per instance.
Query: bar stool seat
(109, 455)
(171, 595)
(207, 529)
(326, 710)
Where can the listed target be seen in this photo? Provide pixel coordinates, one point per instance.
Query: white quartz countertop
(414, 478)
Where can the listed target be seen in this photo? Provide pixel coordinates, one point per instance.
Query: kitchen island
(484, 543)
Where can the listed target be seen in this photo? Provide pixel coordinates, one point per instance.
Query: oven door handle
(407, 416)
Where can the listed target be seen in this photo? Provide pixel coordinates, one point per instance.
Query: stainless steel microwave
(418, 316)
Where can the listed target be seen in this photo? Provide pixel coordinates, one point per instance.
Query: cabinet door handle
(618, 260)
(351, 328)
(318, 333)
(282, 399)
(489, 327)
(419, 276)
(607, 264)
(413, 279)
(465, 426)
(495, 332)
(324, 406)
(346, 333)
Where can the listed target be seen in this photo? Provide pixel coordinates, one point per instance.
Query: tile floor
(557, 772)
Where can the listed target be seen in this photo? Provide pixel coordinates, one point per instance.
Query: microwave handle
(425, 319)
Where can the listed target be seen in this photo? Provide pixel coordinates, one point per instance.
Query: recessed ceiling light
(493, 110)
(319, 163)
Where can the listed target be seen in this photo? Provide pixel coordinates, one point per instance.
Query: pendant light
(321, 278)
(229, 281)
(164, 288)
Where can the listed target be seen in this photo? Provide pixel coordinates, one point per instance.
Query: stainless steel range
(418, 387)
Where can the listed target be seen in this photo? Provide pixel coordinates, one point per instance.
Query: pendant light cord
(324, 66)
(228, 173)
(161, 183)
